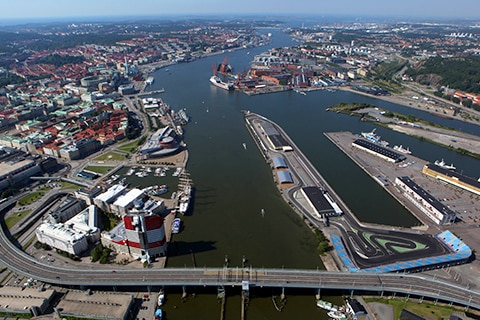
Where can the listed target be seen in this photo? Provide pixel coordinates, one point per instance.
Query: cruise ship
(216, 81)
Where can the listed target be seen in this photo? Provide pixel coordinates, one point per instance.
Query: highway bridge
(115, 276)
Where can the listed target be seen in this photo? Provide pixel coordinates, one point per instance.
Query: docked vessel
(381, 180)
(149, 81)
(373, 137)
(158, 190)
(158, 314)
(184, 200)
(161, 298)
(443, 165)
(326, 305)
(401, 149)
(336, 315)
(216, 81)
(176, 225)
(183, 116)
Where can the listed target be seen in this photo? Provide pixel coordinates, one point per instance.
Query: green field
(129, 147)
(16, 217)
(99, 169)
(111, 156)
(68, 185)
(30, 198)
(425, 309)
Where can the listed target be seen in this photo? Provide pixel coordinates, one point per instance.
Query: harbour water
(237, 209)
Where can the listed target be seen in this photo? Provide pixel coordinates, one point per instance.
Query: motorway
(108, 276)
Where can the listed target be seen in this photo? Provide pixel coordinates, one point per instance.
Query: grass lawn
(68, 185)
(425, 309)
(99, 169)
(30, 198)
(16, 217)
(129, 147)
(112, 156)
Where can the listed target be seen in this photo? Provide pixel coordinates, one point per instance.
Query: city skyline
(52, 9)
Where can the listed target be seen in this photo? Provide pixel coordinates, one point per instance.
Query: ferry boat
(216, 81)
(401, 149)
(326, 305)
(443, 165)
(176, 225)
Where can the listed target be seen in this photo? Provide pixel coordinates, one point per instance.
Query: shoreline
(414, 104)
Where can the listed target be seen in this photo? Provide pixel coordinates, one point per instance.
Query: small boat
(177, 222)
(326, 305)
(336, 315)
(158, 190)
(161, 297)
(443, 165)
(244, 146)
(401, 149)
(158, 314)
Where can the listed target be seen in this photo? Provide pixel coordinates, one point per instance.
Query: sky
(43, 9)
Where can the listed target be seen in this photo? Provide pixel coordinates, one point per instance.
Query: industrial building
(321, 205)
(279, 163)
(95, 305)
(433, 208)
(274, 138)
(284, 177)
(378, 150)
(452, 177)
(24, 300)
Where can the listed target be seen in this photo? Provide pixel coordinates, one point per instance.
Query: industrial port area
(360, 247)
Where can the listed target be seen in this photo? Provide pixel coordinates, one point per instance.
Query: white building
(61, 237)
(106, 198)
(86, 222)
(125, 202)
(433, 208)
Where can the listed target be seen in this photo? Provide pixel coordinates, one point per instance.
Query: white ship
(184, 200)
(401, 149)
(216, 81)
(161, 298)
(443, 165)
(327, 305)
(336, 315)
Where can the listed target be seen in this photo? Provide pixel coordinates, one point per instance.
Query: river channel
(237, 209)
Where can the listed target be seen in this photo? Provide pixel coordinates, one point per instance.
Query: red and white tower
(145, 235)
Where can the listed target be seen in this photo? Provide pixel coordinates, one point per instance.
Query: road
(94, 276)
